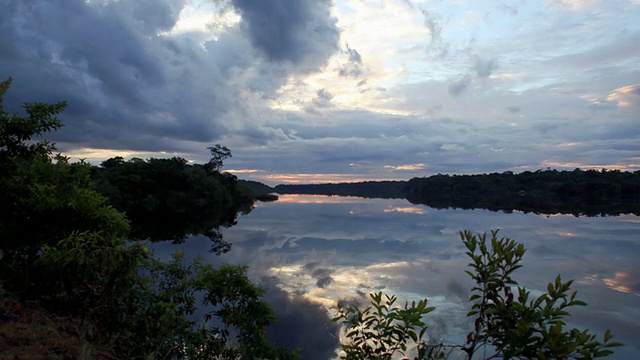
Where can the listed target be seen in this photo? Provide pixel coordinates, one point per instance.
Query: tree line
(578, 192)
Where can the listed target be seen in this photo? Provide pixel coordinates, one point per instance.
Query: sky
(306, 91)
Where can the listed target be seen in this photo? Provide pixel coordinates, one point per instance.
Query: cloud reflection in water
(314, 250)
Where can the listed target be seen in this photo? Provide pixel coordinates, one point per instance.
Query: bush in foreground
(507, 321)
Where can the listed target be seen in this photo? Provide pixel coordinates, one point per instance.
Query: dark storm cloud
(124, 83)
(132, 86)
(301, 32)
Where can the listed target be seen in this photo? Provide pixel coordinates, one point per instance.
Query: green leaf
(614, 344)
(603, 353)
(413, 336)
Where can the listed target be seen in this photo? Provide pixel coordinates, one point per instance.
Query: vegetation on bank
(71, 272)
(366, 189)
(577, 192)
(168, 199)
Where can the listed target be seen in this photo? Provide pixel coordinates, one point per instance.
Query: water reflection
(315, 199)
(319, 250)
(407, 210)
(623, 283)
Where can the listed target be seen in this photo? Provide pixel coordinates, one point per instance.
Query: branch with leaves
(508, 323)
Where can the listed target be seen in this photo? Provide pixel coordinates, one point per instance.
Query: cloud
(511, 10)
(406, 167)
(451, 147)
(353, 67)
(118, 75)
(323, 98)
(322, 275)
(354, 55)
(437, 44)
(459, 86)
(301, 32)
(626, 97)
(574, 5)
(142, 78)
(435, 27)
(484, 67)
(132, 83)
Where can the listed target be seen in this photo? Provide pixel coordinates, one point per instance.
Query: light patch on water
(407, 210)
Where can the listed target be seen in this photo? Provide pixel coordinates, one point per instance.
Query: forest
(170, 199)
(578, 192)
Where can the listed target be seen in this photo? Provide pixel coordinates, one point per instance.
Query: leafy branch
(508, 321)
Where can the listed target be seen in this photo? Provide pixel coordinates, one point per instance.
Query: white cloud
(627, 97)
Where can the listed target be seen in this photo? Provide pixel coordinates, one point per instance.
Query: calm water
(311, 251)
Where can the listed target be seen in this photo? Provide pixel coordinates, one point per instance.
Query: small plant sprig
(383, 328)
(509, 321)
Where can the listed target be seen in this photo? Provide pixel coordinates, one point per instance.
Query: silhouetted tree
(218, 154)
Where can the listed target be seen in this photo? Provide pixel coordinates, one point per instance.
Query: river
(311, 251)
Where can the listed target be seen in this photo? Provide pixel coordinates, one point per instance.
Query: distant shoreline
(577, 192)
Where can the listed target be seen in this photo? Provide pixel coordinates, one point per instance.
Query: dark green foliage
(163, 305)
(146, 308)
(219, 154)
(17, 131)
(257, 190)
(168, 199)
(256, 187)
(366, 189)
(44, 198)
(578, 192)
(508, 322)
(383, 329)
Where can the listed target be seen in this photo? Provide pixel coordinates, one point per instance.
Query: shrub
(507, 321)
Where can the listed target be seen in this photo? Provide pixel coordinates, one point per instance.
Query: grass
(29, 332)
